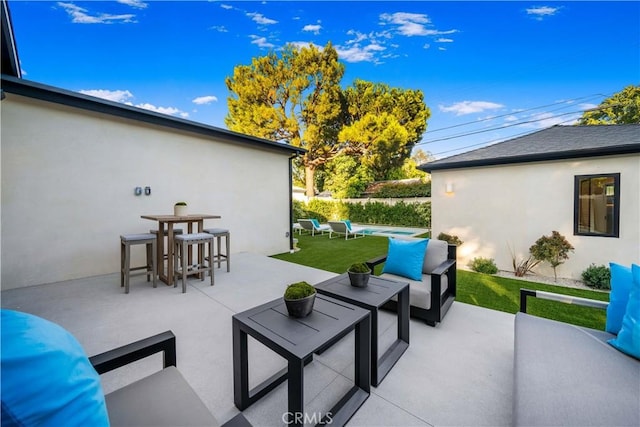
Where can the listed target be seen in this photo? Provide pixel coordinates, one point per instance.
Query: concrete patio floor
(458, 373)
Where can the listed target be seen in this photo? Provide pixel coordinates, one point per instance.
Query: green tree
(554, 249)
(621, 108)
(292, 98)
(382, 125)
(346, 177)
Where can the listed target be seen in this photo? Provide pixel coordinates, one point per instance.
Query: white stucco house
(583, 181)
(70, 164)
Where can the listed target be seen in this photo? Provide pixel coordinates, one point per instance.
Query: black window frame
(616, 204)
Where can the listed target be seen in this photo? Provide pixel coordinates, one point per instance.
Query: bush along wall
(400, 214)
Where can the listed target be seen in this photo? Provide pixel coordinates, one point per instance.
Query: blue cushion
(348, 223)
(628, 339)
(47, 379)
(315, 222)
(405, 258)
(621, 281)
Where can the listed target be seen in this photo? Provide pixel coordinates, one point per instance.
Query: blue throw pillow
(405, 258)
(621, 281)
(315, 222)
(628, 339)
(47, 379)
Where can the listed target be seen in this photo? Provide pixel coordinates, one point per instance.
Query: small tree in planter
(553, 249)
(359, 274)
(299, 298)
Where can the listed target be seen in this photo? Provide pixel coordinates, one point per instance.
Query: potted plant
(180, 209)
(299, 298)
(359, 274)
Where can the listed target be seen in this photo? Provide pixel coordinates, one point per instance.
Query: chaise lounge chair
(345, 227)
(313, 226)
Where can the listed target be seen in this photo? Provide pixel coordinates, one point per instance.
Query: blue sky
(488, 70)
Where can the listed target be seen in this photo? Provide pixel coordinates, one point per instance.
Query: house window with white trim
(597, 205)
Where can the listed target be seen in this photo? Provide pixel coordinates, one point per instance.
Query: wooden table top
(184, 218)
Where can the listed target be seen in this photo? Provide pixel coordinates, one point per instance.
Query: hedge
(400, 214)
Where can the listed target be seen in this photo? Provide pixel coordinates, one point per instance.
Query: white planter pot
(180, 210)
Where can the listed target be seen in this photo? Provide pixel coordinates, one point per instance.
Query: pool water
(379, 230)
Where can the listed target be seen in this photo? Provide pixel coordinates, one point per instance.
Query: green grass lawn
(497, 293)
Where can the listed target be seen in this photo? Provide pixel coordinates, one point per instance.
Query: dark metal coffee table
(372, 297)
(296, 340)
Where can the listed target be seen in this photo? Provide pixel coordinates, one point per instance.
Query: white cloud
(470, 107)
(171, 111)
(80, 15)
(356, 53)
(112, 95)
(409, 24)
(124, 97)
(314, 28)
(134, 3)
(261, 42)
(261, 19)
(426, 46)
(299, 45)
(202, 100)
(226, 6)
(541, 12)
(443, 40)
(220, 28)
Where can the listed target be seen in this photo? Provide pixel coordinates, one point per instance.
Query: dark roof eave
(10, 61)
(543, 157)
(47, 93)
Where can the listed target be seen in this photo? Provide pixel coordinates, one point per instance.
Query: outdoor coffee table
(296, 340)
(372, 297)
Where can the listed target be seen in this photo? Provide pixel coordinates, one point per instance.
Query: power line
(519, 112)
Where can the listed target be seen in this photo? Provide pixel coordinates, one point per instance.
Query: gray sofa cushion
(436, 254)
(569, 376)
(162, 399)
(419, 292)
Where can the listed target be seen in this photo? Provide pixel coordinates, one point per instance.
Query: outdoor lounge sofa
(48, 378)
(566, 375)
(313, 226)
(344, 227)
(431, 298)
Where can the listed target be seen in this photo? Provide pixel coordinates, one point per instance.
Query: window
(597, 205)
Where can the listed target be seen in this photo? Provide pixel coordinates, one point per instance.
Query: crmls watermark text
(304, 418)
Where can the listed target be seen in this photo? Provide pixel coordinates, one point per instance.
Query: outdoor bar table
(167, 222)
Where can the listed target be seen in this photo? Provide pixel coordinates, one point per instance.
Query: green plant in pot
(180, 209)
(359, 274)
(299, 298)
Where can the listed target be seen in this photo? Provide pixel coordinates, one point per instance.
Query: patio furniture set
(342, 227)
(179, 250)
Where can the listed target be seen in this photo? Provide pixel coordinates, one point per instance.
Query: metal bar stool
(219, 257)
(151, 268)
(181, 268)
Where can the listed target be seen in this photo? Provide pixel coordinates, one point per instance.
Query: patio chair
(47, 377)
(345, 227)
(313, 226)
(430, 298)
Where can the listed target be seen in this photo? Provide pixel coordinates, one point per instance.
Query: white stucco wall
(495, 207)
(68, 179)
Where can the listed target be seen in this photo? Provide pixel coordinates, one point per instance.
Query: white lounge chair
(313, 226)
(345, 227)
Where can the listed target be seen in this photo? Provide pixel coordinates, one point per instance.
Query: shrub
(299, 290)
(597, 276)
(359, 267)
(553, 249)
(483, 265)
(418, 189)
(450, 238)
(522, 267)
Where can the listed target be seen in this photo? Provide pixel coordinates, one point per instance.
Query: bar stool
(219, 257)
(181, 268)
(165, 255)
(151, 268)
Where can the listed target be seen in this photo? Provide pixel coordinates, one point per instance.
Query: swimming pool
(387, 231)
